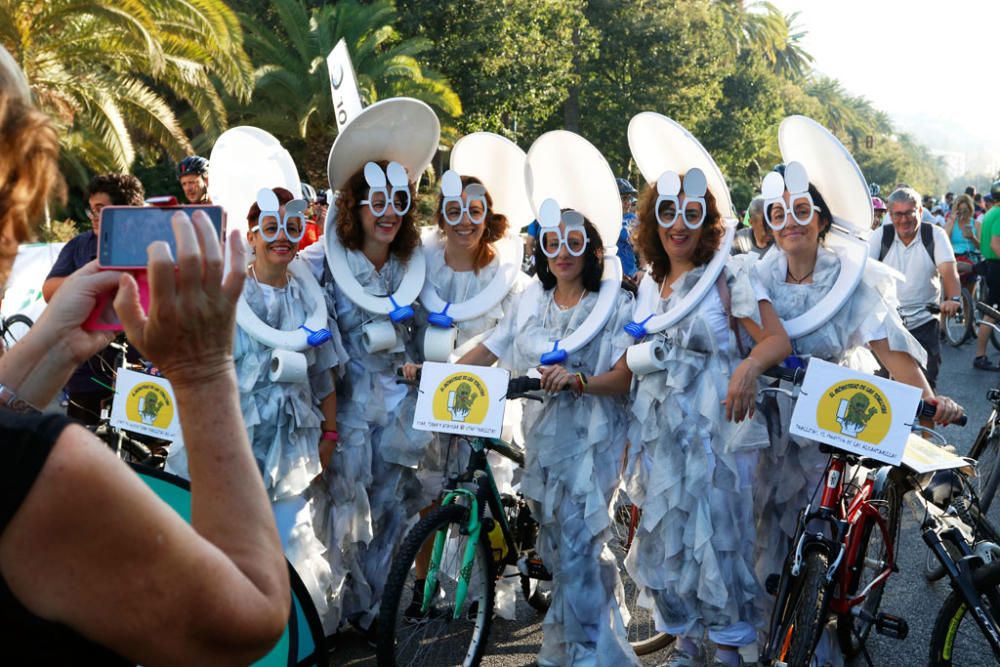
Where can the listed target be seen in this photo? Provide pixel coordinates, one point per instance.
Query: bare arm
(952, 287)
(328, 406)
(480, 355)
(220, 585)
(613, 382)
(41, 363)
(771, 348)
(50, 286)
(995, 244)
(904, 368)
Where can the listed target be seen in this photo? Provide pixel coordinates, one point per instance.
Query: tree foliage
(511, 61)
(129, 74)
(291, 97)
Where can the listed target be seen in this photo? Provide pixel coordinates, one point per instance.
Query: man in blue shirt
(85, 388)
(626, 254)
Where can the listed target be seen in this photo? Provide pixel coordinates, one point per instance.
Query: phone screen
(126, 232)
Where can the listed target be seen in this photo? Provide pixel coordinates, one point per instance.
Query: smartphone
(126, 232)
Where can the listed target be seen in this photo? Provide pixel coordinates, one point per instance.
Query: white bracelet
(9, 400)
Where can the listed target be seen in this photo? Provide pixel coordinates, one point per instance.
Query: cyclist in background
(630, 266)
(989, 245)
(193, 175)
(878, 206)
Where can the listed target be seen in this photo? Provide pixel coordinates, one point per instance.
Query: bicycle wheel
(853, 631)
(958, 328)
(444, 635)
(803, 614)
(14, 329)
(988, 470)
(957, 638)
(641, 629)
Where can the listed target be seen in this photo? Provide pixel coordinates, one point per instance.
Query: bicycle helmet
(995, 190)
(624, 187)
(309, 193)
(192, 164)
(878, 204)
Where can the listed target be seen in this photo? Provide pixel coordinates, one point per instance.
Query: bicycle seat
(940, 487)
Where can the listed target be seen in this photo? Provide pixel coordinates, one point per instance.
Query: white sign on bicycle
(145, 404)
(859, 413)
(460, 399)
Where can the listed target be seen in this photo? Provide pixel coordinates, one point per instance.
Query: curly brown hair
(349, 229)
(646, 237)
(496, 226)
(123, 189)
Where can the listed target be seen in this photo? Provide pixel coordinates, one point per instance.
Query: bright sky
(942, 52)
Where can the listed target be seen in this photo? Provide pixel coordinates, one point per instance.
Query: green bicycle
(471, 538)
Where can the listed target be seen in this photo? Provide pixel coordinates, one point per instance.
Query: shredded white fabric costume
(573, 458)
(691, 472)
(373, 487)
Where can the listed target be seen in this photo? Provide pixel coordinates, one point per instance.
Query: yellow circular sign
(462, 398)
(856, 409)
(149, 404)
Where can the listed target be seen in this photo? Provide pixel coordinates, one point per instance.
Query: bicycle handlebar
(795, 376)
(989, 310)
(518, 387)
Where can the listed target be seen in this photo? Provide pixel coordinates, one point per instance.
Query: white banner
(859, 413)
(145, 404)
(343, 85)
(24, 287)
(460, 399)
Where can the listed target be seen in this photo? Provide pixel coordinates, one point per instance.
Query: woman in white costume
(291, 416)
(817, 206)
(575, 440)
(372, 249)
(694, 437)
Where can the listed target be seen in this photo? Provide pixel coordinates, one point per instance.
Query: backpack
(926, 237)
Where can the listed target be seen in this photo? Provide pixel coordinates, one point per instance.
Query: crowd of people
(718, 477)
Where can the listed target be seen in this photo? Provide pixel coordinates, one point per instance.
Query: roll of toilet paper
(288, 366)
(378, 336)
(439, 343)
(647, 358)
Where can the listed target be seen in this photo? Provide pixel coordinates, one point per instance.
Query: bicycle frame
(486, 495)
(935, 531)
(843, 543)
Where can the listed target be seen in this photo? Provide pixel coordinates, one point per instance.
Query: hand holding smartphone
(123, 236)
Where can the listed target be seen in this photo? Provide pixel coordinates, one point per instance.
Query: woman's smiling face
(795, 238)
(679, 241)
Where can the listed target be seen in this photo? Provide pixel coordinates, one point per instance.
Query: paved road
(514, 644)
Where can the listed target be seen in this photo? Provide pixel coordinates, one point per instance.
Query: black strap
(927, 238)
(888, 236)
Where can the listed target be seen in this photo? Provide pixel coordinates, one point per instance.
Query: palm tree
(112, 72)
(291, 98)
(761, 27)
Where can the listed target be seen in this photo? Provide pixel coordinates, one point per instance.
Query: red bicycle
(840, 558)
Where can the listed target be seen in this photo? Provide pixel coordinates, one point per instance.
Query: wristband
(9, 400)
(330, 435)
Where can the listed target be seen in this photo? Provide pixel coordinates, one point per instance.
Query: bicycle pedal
(532, 566)
(891, 626)
(771, 583)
